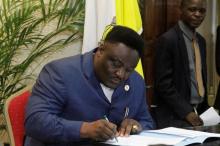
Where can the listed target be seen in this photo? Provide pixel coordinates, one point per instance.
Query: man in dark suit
(180, 61)
(217, 59)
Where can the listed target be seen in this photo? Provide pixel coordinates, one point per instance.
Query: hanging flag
(128, 14)
(98, 14)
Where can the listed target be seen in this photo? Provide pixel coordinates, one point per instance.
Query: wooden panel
(173, 12)
(153, 24)
(158, 17)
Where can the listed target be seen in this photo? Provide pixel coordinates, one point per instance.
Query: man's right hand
(100, 130)
(194, 119)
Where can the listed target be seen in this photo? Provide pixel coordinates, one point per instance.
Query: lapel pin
(126, 87)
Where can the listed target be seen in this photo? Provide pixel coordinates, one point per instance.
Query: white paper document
(179, 132)
(191, 136)
(167, 136)
(210, 117)
(140, 140)
(188, 141)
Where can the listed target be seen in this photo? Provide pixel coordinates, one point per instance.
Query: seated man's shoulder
(135, 77)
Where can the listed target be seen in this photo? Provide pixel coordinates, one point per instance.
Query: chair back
(14, 112)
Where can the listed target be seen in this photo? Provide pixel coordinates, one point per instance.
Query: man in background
(180, 70)
(94, 96)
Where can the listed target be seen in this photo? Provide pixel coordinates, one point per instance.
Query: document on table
(210, 117)
(184, 132)
(191, 136)
(141, 140)
(179, 132)
(166, 136)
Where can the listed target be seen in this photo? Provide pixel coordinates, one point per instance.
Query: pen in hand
(195, 110)
(108, 121)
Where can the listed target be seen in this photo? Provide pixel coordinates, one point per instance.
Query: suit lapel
(184, 54)
(88, 70)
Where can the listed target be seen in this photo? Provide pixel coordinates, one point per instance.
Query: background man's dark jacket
(172, 79)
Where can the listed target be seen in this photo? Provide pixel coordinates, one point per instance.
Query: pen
(108, 121)
(195, 110)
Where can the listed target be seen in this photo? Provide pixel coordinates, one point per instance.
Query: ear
(101, 47)
(100, 50)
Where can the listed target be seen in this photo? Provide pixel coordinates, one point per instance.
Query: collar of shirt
(186, 31)
(107, 91)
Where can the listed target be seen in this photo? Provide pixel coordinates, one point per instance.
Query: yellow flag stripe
(127, 14)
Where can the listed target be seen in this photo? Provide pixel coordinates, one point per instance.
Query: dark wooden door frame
(158, 16)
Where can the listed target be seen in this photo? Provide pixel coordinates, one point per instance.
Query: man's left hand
(129, 126)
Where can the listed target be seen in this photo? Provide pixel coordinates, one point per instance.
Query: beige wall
(73, 49)
(208, 30)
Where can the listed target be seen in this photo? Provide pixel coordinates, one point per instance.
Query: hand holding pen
(100, 130)
(115, 130)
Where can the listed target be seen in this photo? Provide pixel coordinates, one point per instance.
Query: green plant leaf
(22, 31)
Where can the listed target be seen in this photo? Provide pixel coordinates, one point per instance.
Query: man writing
(72, 95)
